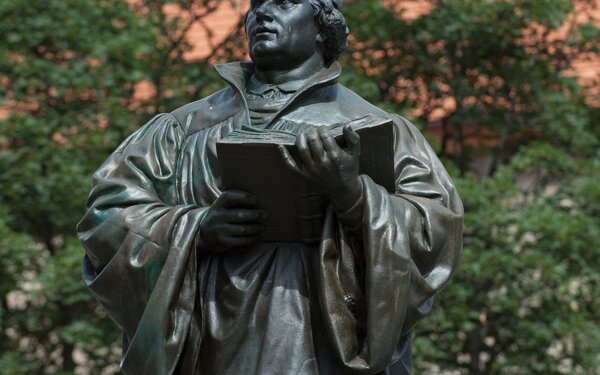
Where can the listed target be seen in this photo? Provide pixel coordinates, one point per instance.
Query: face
(281, 33)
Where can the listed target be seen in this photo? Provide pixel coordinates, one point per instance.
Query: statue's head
(290, 30)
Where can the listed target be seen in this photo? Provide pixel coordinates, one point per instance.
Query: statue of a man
(179, 263)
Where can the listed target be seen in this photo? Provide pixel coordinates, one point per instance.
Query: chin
(263, 56)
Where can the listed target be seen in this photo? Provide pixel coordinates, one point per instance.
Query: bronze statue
(180, 265)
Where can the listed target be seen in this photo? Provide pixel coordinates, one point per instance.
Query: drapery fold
(410, 247)
(372, 285)
(140, 258)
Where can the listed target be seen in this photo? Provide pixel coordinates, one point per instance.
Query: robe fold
(346, 305)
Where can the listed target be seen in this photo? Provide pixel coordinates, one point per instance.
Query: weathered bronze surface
(179, 264)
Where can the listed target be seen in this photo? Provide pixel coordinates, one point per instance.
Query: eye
(285, 4)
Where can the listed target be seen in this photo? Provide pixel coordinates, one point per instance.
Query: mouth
(263, 31)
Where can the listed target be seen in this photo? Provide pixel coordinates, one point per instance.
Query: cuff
(198, 241)
(352, 217)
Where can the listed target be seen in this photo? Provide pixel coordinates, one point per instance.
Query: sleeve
(137, 241)
(375, 287)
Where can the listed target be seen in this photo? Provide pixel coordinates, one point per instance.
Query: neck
(276, 75)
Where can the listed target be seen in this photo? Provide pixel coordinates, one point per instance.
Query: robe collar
(258, 87)
(237, 75)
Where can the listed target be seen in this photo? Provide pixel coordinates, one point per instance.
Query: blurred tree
(497, 64)
(77, 77)
(17, 258)
(522, 302)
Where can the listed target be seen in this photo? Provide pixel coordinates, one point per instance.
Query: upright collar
(238, 73)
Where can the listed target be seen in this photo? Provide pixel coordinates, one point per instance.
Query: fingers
(352, 140)
(245, 230)
(227, 228)
(320, 159)
(289, 160)
(316, 147)
(304, 153)
(240, 216)
(329, 143)
(235, 199)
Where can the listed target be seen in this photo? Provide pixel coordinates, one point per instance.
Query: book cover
(250, 160)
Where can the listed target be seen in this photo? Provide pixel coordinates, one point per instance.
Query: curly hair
(332, 25)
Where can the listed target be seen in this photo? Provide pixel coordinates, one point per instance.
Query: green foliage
(491, 63)
(65, 74)
(16, 256)
(14, 364)
(523, 300)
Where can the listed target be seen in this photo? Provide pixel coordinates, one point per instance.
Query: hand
(231, 221)
(333, 170)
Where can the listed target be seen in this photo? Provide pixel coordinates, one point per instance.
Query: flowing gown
(344, 305)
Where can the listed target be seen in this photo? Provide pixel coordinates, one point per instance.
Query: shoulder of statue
(208, 111)
(351, 105)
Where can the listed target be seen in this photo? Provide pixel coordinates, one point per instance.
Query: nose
(263, 12)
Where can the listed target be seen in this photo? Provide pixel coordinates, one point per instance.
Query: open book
(250, 161)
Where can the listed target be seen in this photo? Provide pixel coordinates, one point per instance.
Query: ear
(321, 38)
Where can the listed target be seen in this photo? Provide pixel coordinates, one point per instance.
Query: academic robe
(345, 305)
